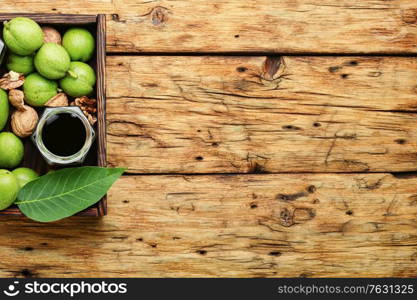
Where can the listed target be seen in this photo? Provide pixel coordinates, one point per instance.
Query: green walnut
(9, 188)
(79, 43)
(11, 150)
(38, 90)
(4, 109)
(80, 80)
(24, 175)
(22, 35)
(52, 61)
(20, 64)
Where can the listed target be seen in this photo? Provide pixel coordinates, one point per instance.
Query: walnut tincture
(64, 134)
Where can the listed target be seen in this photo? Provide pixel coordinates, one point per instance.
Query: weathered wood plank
(256, 114)
(286, 26)
(226, 225)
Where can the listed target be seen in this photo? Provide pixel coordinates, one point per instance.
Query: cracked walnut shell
(58, 100)
(11, 80)
(88, 106)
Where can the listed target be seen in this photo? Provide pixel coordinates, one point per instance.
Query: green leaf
(63, 193)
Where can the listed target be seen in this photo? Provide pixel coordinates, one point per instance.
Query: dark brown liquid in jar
(64, 134)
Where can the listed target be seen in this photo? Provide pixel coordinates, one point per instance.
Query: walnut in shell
(24, 121)
(51, 35)
(11, 80)
(16, 98)
(58, 100)
(24, 118)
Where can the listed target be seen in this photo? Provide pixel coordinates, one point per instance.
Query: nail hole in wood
(199, 158)
(290, 127)
(311, 189)
(241, 69)
(256, 169)
(349, 212)
(333, 69)
(26, 273)
(344, 76)
(316, 124)
(202, 252)
(275, 253)
(401, 141)
(237, 36)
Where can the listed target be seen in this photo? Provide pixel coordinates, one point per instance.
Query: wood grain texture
(285, 26)
(199, 114)
(261, 114)
(226, 225)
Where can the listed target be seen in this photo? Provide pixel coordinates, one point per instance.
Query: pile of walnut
(25, 118)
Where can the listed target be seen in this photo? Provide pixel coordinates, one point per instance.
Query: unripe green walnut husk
(38, 90)
(79, 81)
(9, 188)
(52, 61)
(4, 109)
(22, 35)
(11, 150)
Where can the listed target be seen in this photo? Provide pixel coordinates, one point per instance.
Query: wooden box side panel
(101, 102)
(53, 18)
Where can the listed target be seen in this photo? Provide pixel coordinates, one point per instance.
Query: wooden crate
(97, 156)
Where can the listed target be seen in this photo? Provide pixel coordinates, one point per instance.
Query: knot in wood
(286, 217)
(273, 68)
(159, 15)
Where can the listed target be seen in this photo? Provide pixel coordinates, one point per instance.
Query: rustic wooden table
(263, 138)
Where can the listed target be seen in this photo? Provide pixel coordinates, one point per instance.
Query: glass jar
(54, 159)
